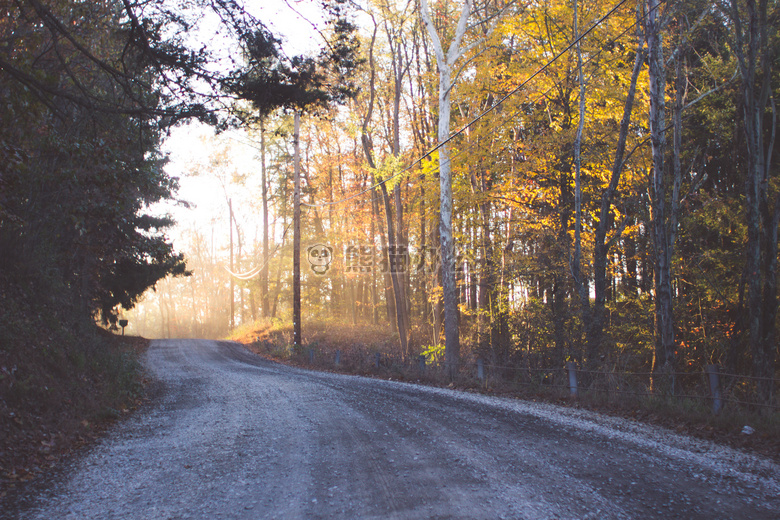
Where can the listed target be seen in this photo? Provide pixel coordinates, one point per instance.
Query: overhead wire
(508, 118)
(252, 273)
(510, 115)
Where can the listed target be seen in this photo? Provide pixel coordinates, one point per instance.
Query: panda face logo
(319, 257)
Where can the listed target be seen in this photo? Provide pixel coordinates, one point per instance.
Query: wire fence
(707, 386)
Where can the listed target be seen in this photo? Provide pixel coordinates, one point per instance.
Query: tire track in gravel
(231, 435)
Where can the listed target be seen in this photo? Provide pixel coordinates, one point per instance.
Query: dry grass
(355, 347)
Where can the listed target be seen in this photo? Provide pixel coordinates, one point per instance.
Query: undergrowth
(61, 384)
(370, 350)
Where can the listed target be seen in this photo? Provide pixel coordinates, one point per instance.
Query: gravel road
(231, 435)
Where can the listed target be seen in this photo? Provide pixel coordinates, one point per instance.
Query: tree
(446, 62)
(266, 248)
(395, 249)
(605, 221)
(663, 253)
(756, 57)
(84, 120)
(269, 81)
(576, 261)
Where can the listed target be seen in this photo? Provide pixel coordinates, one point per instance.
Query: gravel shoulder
(231, 435)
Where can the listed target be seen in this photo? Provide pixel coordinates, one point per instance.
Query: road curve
(231, 435)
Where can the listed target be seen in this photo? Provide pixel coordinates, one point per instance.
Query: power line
(481, 115)
(539, 97)
(472, 145)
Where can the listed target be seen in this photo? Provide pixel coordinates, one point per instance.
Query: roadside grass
(59, 388)
(357, 345)
(370, 350)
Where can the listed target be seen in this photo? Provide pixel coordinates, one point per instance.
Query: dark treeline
(89, 89)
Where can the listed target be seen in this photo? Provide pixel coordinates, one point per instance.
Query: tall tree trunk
(397, 243)
(391, 251)
(754, 55)
(422, 272)
(559, 304)
(297, 233)
(663, 286)
(374, 289)
(447, 246)
(595, 327)
(630, 279)
(580, 283)
(679, 99)
(266, 246)
(449, 286)
(472, 267)
(232, 322)
(383, 243)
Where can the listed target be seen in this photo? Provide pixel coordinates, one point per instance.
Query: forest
(528, 183)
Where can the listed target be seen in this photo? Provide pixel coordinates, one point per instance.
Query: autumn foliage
(598, 176)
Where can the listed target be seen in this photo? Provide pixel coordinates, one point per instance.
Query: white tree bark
(445, 64)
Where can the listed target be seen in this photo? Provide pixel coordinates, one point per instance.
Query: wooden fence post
(481, 370)
(713, 376)
(337, 362)
(421, 363)
(572, 378)
(311, 356)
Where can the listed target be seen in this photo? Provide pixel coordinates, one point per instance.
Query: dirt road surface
(231, 435)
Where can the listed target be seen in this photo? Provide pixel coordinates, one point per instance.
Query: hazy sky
(190, 147)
